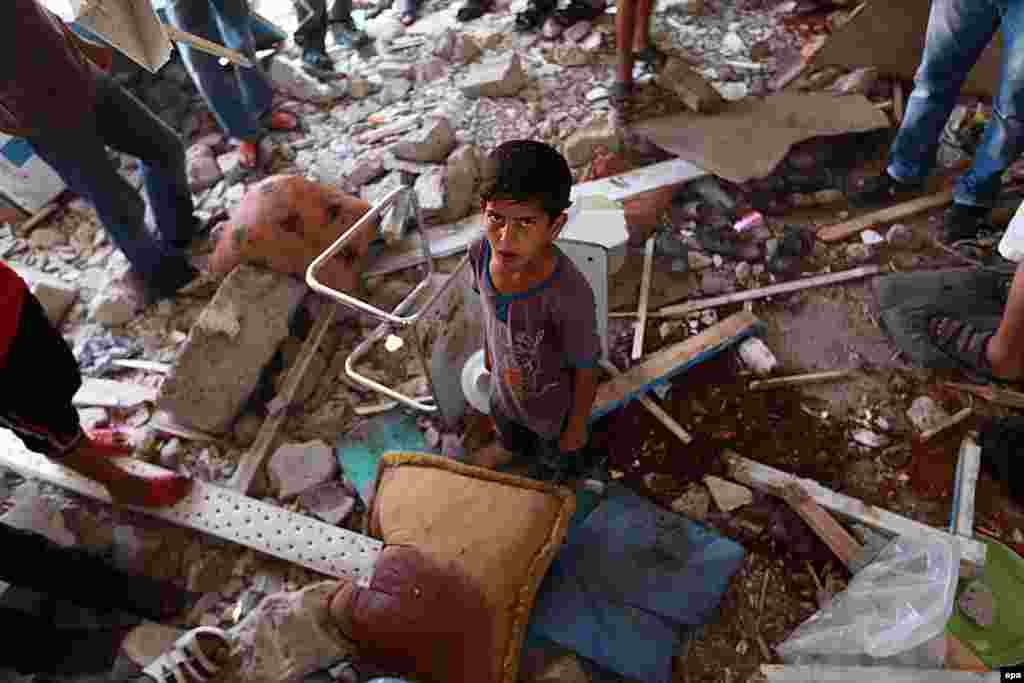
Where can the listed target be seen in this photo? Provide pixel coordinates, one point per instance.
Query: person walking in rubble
(240, 98)
(54, 92)
(314, 22)
(958, 32)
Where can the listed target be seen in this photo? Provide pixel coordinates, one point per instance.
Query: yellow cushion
(501, 529)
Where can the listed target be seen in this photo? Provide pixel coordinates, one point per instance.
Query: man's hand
(575, 437)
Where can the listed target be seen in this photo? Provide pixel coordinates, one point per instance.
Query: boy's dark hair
(527, 170)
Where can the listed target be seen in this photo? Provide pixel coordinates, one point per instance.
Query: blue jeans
(958, 32)
(79, 156)
(237, 96)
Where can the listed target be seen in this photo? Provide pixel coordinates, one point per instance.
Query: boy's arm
(584, 391)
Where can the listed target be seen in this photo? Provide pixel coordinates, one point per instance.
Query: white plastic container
(1012, 245)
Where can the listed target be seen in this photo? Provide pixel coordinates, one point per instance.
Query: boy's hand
(575, 437)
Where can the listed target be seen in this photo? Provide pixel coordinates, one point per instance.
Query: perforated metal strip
(226, 514)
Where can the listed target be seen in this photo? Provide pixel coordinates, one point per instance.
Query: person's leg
(625, 28)
(312, 30)
(407, 10)
(79, 156)
(128, 126)
(644, 49)
(234, 19)
(1004, 134)
(1005, 349)
(222, 89)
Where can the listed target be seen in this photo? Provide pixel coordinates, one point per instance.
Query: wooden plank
(1001, 397)
(645, 294)
(773, 481)
(656, 410)
(267, 436)
(233, 56)
(772, 290)
(109, 393)
(967, 468)
(897, 101)
(799, 380)
(824, 673)
(837, 538)
(840, 231)
(37, 218)
(659, 367)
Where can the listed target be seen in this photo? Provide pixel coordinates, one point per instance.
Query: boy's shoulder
(572, 280)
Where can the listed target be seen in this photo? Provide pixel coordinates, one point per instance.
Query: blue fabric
(237, 96)
(958, 31)
(627, 579)
(359, 451)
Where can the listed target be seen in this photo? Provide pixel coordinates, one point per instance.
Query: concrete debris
(552, 28)
(55, 295)
(314, 373)
(500, 77)
(758, 357)
(698, 260)
(564, 669)
(694, 503)
(203, 170)
(392, 90)
(170, 454)
(430, 191)
(358, 88)
(689, 86)
(364, 169)
(230, 167)
(902, 236)
(289, 636)
(430, 70)
(857, 254)
(727, 495)
(461, 176)
(298, 467)
(452, 446)
(46, 238)
(216, 372)
(570, 55)
(289, 77)
(869, 439)
(113, 306)
(925, 414)
(581, 146)
(331, 501)
(457, 47)
(432, 436)
(32, 511)
(432, 143)
(246, 428)
(577, 32)
(593, 41)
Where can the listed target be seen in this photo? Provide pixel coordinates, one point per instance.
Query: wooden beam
(253, 459)
(233, 56)
(825, 673)
(37, 218)
(840, 231)
(659, 367)
(838, 539)
(948, 424)
(773, 481)
(798, 380)
(967, 468)
(1001, 397)
(772, 290)
(645, 295)
(656, 410)
(897, 101)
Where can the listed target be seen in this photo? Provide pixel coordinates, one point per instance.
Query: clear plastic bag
(893, 612)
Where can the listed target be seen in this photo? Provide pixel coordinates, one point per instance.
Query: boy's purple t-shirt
(537, 339)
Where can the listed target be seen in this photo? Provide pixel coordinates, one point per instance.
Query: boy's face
(519, 232)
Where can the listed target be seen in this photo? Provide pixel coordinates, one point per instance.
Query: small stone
(331, 501)
(502, 77)
(579, 149)
(564, 669)
(430, 191)
(694, 503)
(231, 167)
(771, 247)
(743, 271)
(698, 260)
(859, 253)
(727, 495)
(297, 467)
(577, 31)
(462, 172)
(430, 144)
(593, 41)
(758, 357)
(902, 237)
(246, 428)
(713, 283)
(732, 43)
(393, 90)
(871, 237)
(202, 169)
(552, 28)
(112, 308)
(733, 91)
(570, 55)
(869, 439)
(170, 454)
(717, 260)
(598, 93)
(365, 169)
(430, 70)
(924, 413)
(45, 238)
(359, 88)
(432, 436)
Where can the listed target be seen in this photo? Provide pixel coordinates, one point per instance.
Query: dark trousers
(79, 156)
(34, 644)
(312, 31)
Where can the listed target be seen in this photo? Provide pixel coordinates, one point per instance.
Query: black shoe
(962, 221)
(880, 189)
(317, 60)
(347, 34)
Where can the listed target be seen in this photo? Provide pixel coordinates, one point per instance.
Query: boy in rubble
(540, 322)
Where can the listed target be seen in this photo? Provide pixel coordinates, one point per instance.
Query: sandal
(186, 662)
(650, 56)
(408, 18)
(578, 11)
(965, 343)
(281, 121)
(473, 9)
(317, 61)
(534, 15)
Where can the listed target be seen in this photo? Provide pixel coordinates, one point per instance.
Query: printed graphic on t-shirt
(522, 377)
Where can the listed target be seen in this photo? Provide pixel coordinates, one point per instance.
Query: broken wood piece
(837, 538)
(897, 101)
(773, 481)
(992, 394)
(826, 673)
(645, 294)
(967, 468)
(840, 231)
(728, 495)
(38, 217)
(265, 440)
(656, 410)
(233, 56)
(948, 424)
(797, 380)
(659, 367)
(164, 422)
(108, 393)
(147, 365)
(772, 290)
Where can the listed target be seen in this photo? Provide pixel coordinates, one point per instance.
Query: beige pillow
(502, 530)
